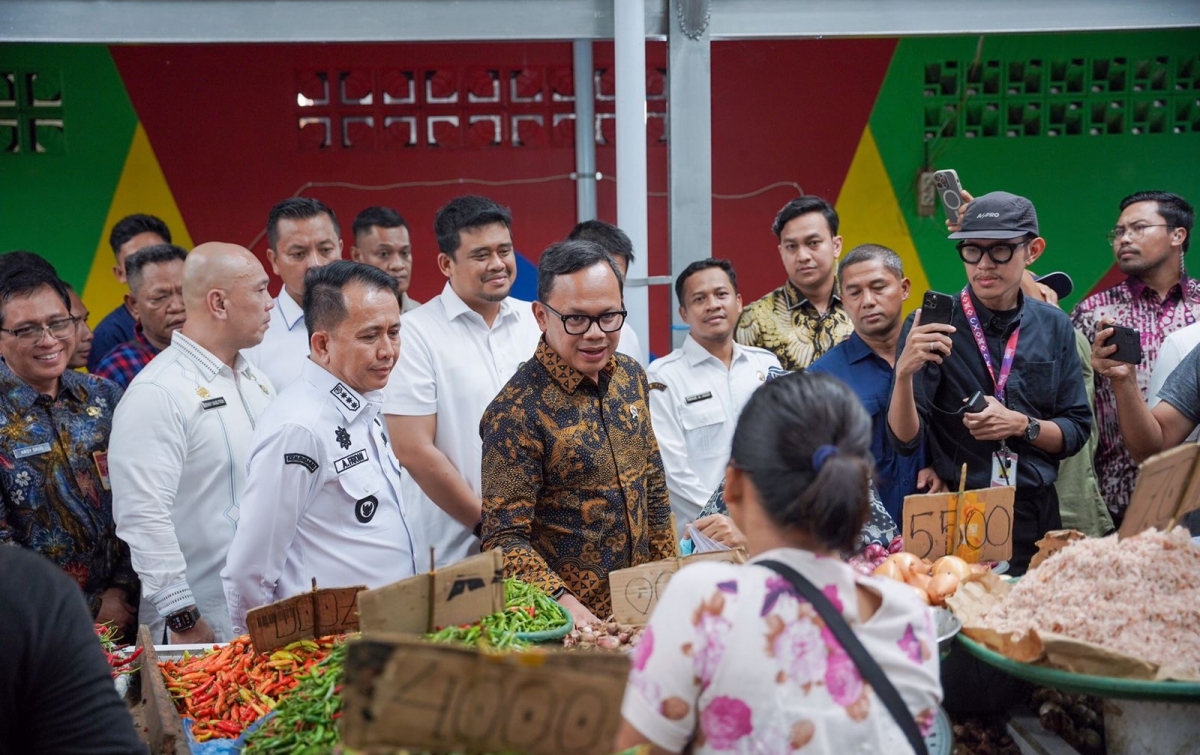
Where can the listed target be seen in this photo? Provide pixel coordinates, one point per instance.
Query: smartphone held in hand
(950, 191)
(937, 308)
(1128, 342)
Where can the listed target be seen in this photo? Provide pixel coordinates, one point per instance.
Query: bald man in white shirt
(180, 441)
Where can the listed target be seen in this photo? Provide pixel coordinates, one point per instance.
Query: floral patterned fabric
(573, 483)
(53, 499)
(1135, 305)
(787, 324)
(734, 661)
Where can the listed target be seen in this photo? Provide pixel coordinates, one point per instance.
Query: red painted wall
(222, 120)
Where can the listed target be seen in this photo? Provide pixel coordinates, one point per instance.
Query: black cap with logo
(998, 215)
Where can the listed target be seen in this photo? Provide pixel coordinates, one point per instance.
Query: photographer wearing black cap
(1018, 352)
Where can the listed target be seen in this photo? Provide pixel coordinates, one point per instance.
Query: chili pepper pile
(120, 664)
(305, 722)
(528, 609)
(226, 689)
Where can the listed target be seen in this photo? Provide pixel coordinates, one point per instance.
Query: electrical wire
(508, 182)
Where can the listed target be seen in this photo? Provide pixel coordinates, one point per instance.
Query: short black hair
(804, 440)
(132, 225)
(802, 206)
(870, 253)
(297, 208)
(384, 217)
(150, 255)
(22, 258)
(1176, 210)
(571, 256)
(324, 300)
(607, 235)
(704, 264)
(466, 213)
(23, 280)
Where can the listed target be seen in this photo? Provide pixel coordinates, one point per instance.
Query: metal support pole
(629, 36)
(689, 140)
(585, 132)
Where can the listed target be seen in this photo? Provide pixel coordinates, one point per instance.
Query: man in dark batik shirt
(573, 484)
(54, 428)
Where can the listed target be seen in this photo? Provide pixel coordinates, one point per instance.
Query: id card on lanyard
(1004, 462)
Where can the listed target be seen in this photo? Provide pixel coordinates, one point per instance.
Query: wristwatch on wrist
(1032, 430)
(183, 619)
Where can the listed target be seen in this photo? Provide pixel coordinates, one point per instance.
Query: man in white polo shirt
(698, 390)
(460, 348)
(302, 233)
(323, 499)
(180, 441)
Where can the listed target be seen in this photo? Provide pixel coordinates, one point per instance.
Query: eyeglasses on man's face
(60, 330)
(577, 325)
(1135, 231)
(998, 253)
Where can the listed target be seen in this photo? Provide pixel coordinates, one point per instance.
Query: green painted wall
(1075, 181)
(67, 189)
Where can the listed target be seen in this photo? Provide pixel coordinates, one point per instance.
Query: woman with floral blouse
(733, 661)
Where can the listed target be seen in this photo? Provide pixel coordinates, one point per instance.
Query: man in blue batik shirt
(874, 289)
(54, 427)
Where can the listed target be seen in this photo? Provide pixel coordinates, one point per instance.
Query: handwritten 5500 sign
(408, 693)
(928, 520)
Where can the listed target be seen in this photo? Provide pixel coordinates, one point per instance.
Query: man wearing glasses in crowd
(54, 491)
(573, 482)
(1019, 352)
(1156, 299)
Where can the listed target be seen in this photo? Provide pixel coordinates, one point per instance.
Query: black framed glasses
(998, 253)
(1135, 231)
(60, 330)
(577, 325)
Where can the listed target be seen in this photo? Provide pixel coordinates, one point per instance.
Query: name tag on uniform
(27, 451)
(351, 461)
(699, 397)
(213, 403)
(101, 459)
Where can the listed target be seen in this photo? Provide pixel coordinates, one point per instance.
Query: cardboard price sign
(635, 590)
(303, 617)
(1168, 488)
(406, 693)
(930, 521)
(462, 593)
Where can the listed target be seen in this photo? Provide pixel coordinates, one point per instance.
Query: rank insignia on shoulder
(698, 397)
(307, 462)
(342, 437)
(343, 394)
(658, 386)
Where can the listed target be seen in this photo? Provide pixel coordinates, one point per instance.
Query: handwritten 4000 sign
(403, 693)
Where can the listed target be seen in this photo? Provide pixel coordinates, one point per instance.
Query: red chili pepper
(123, 662)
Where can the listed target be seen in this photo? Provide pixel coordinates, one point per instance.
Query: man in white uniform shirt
(323, 498)
(620, 248)
(180, 441)
(460, 348)
(302, 233)
(698, 390)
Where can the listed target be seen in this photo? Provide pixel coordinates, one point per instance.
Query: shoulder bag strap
(867, 666)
